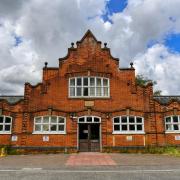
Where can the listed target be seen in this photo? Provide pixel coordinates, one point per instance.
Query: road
(83, 166)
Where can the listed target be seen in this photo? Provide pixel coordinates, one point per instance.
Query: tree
(142, 81)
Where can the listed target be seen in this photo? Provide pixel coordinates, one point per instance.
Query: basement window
(49, 125)
(5, 124)
(172, 124)
(128, 125)
(89, 87)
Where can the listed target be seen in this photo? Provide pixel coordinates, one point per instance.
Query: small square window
(98, 91)
(72, 91)
(7, 120)
(46, 119)
(79, 82)
(37, 127)
(139, 127)
(131, 119)
(72, 82)
(105, 91)
(168, 127)
(7, 127)
(98, 81)
(38, 120)
(61, 120)
(79, 91)
(82, 119)
(132, 127)
(105, 82)
(45, 127)
(54, 127)
(1, 119)
(61, 127)
(139, 120)
(53, 119)
(1, 127)
(92, 81)
(116, 127)
(92, 91)
(89, 119)
(117, 120)
(175, 118)
(176, 128)
(85, 81)
(124, 119)
(168, 119)
(96, 119)
(85, 91)
(124, 127)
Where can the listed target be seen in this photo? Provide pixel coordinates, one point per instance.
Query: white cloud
(47, 28)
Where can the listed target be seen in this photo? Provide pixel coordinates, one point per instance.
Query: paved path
(90, 159)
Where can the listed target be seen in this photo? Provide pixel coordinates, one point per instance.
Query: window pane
(124, 127)
(105, 91)
(7, 127)
(53, 119)
(98, 91)
(45, 127)
(85, 91)
(61, 120)
(1, 119)
(168, 127)
(92, 82)
(54, 127)
(132, 127)
(81, 119)
(175, 118)
(168, 119)
(38, 120)
(176, 127)
(139, 127)
(131, 119)
(124, 119)
(79, 82)
(98, 81)
(85, 81)
(61, 127)
(116, 127)
(7, 120)
(1, 127)
(92, 91)
(96, 119)
(38, 127)
(117, 120)
(72, 82)
(89, 119)
(105, 82)
(139, 120)
(78, 91)
(46, 119)
(72, 91)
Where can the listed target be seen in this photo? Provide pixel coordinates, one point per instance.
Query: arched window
(89, 87)
(89, 119)
(128, 125)
(5, 124)
(49, 125)
(172, 123)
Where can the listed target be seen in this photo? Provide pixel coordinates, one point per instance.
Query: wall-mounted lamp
(73, 115)
(108, 115)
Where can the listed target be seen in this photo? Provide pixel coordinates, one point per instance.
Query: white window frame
(89, 86)
(85, 119)
(49, 124)
(171, 124)
(128, 123)
(4, 124)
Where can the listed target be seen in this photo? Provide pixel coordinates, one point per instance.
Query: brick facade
(50, 97)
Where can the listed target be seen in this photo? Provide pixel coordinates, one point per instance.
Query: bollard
(3, 152)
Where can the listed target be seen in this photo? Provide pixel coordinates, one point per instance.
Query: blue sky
(172, 40)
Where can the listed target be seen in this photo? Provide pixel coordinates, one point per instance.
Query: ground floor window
(172, 124)
(128, 124)
(49, 125)
(5, 124)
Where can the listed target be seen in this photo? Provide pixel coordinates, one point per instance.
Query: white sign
(14, 138)
(85, 131)
(129, 138)
(177, 138)
(45, 138)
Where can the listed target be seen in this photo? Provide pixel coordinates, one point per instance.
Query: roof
(166, 99)
(12, 99)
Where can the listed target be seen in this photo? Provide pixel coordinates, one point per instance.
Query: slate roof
(12, 99)
(166, 99)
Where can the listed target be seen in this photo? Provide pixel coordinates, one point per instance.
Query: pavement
(105, 166)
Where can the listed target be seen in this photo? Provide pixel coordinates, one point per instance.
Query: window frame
(172, 123)
(89, 86)
(86, 122)
(120, 123)
(49, 124)
(4, 124)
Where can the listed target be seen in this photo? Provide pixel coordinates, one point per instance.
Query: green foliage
(142, 81)
(157, 93)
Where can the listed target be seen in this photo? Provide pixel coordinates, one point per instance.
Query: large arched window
(172, 123)
(5, 124)
(49, 125)
(128, 125)
(89, 87)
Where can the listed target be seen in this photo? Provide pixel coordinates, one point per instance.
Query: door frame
(100, 130)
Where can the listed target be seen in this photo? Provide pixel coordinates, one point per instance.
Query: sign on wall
(45, 138)
(177, 138)
(14, 138)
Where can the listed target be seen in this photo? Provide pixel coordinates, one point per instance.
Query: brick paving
(90, 159)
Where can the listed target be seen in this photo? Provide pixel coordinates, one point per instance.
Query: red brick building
(88, 103)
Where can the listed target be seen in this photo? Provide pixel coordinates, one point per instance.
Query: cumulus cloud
(35, 31)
